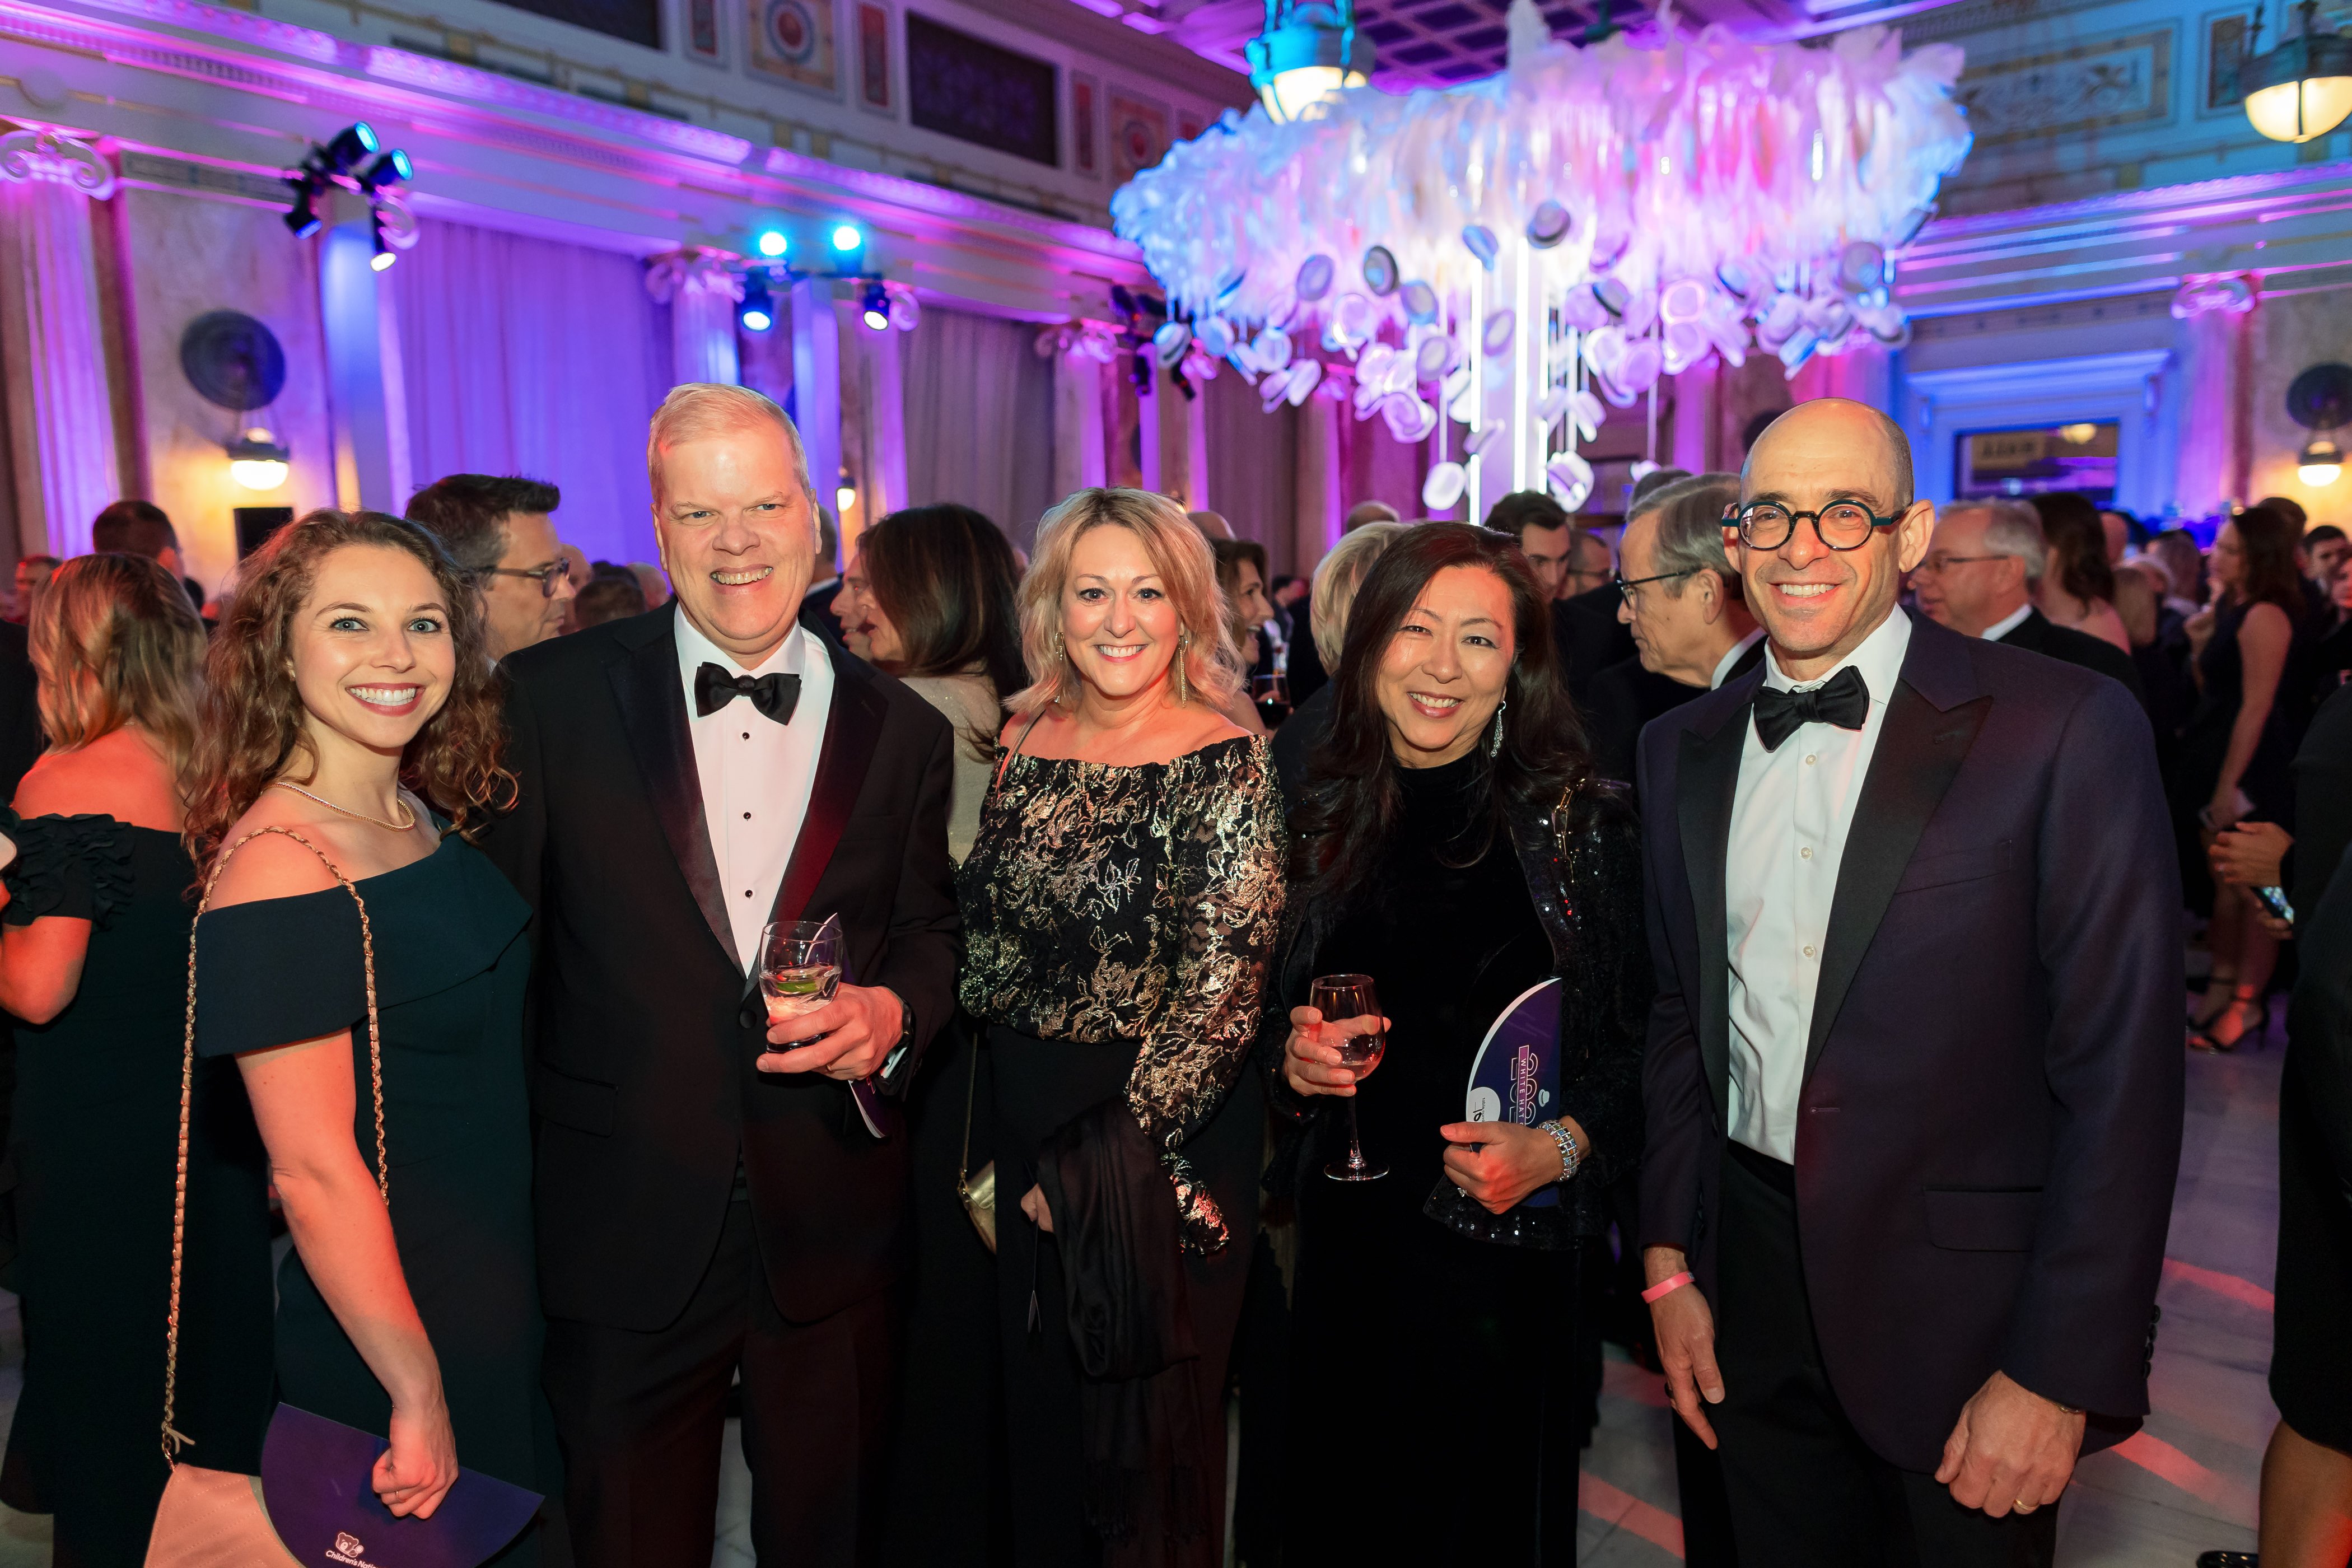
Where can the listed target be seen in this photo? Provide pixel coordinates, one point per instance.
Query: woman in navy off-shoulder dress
(348, 697)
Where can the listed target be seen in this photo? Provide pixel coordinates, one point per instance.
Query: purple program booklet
(1515, 1075)
(316, 1481)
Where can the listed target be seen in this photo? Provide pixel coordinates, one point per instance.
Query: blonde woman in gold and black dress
(1120, 908)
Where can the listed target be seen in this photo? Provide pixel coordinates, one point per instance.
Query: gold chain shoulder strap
(173, 1440)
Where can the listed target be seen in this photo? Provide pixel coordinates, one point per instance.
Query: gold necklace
(408, 826)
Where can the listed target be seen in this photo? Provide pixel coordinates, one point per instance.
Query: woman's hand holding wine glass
(1330, 1055)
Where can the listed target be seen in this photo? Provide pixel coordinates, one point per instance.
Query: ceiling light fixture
(1308, 52)
(876, 306)
(2320, 463)
(257, 460)
(2303, 88)
(757, 312)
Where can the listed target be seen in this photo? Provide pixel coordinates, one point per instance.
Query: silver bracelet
(1570, 1156)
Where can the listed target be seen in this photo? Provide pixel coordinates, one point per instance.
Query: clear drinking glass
(1340, 998)
(800, 964)
(1271, 693)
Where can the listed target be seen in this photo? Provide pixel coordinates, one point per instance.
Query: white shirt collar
(2008, 623)
(1879, 658)
(694, 650)
(1733, 655)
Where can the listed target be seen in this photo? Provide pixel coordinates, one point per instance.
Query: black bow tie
(774, 695)
(1844, 701)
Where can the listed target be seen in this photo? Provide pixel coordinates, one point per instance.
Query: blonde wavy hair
(1205, 668)
(126, 624)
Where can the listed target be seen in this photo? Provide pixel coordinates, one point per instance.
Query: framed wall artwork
(2226, 36)
(1138, 134)
(874, 58)
(2097, 85)
(976, 91)
(699, 32)
(793, 41)
(1085, 134)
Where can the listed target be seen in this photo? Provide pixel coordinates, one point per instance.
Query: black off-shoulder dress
(452, 967)
(98, 1134)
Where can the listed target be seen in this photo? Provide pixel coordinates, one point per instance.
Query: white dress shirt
(1732, 656)
(756, 774)
(2008, 623)
(1789, 817)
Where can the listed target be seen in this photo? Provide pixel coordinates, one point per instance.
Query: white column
(1196, 443)
(817, 383)
(1317, 510)
(61, 423)
(368, 407)
(1694, 398)
(1080, 462)
(702, 295)
(2214, 314)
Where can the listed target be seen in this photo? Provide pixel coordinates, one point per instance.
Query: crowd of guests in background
(1117, 837)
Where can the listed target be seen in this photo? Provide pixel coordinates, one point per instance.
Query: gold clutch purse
(976, 1190)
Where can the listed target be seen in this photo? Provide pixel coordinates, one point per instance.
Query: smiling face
(1119, 628)
(1818, 604)
(737, 537)
(1445, 669)
(371, 649)
(1252, 608)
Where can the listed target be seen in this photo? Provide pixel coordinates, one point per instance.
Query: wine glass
(800, 964)
(1271, 693)
(1347, 996)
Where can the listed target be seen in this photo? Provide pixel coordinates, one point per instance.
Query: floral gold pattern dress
(1119, 923)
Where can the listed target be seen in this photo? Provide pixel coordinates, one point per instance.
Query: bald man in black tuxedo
(1914, 1083)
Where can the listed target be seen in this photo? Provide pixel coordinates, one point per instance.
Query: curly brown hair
(250, 730)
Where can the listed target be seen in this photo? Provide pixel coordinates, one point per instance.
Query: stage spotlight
(876, 306)
(303, 217)
(773, 242)
(384, 255)
(757, 312)
(350, 144)
(392, 168)
(847, 237)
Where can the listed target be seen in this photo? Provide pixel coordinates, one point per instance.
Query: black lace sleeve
(76, 868)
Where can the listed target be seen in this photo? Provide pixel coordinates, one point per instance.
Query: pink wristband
(1667, 1286)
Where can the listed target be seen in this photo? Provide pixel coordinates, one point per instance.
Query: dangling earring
(1176, 668)
(1495, 746)
(1061, 654)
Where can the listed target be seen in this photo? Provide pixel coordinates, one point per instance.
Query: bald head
(1867, 439)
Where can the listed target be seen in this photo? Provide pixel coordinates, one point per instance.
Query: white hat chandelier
(1521, 251)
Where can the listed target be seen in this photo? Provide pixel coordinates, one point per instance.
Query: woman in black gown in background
(1453, 846)
(349, 699)
(94, 962)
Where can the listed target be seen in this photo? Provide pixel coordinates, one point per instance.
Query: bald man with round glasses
(1914, 1081)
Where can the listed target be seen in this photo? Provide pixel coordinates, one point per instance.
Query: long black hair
(1352, 795)
(947, 578)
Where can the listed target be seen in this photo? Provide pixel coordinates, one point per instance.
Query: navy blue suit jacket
(1991, 1119)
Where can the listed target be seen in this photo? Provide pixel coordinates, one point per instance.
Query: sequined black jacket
(1582, 862)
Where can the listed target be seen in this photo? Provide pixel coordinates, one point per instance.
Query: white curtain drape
(980, 419)
(528, 356)
(1252, 466)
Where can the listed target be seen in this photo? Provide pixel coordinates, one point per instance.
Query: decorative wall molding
(2233, 293)
(50, 155)
(478, 86)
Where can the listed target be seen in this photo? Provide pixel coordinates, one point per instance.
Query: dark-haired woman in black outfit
(1454, 846)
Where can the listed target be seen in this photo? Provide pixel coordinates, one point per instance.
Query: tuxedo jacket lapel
(852, 729)
(1709, 774)
(1931, 722)
(653, 712)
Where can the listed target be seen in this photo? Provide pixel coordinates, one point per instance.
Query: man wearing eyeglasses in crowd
(1913, 1079)
(1979, 577)
(498, 527)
